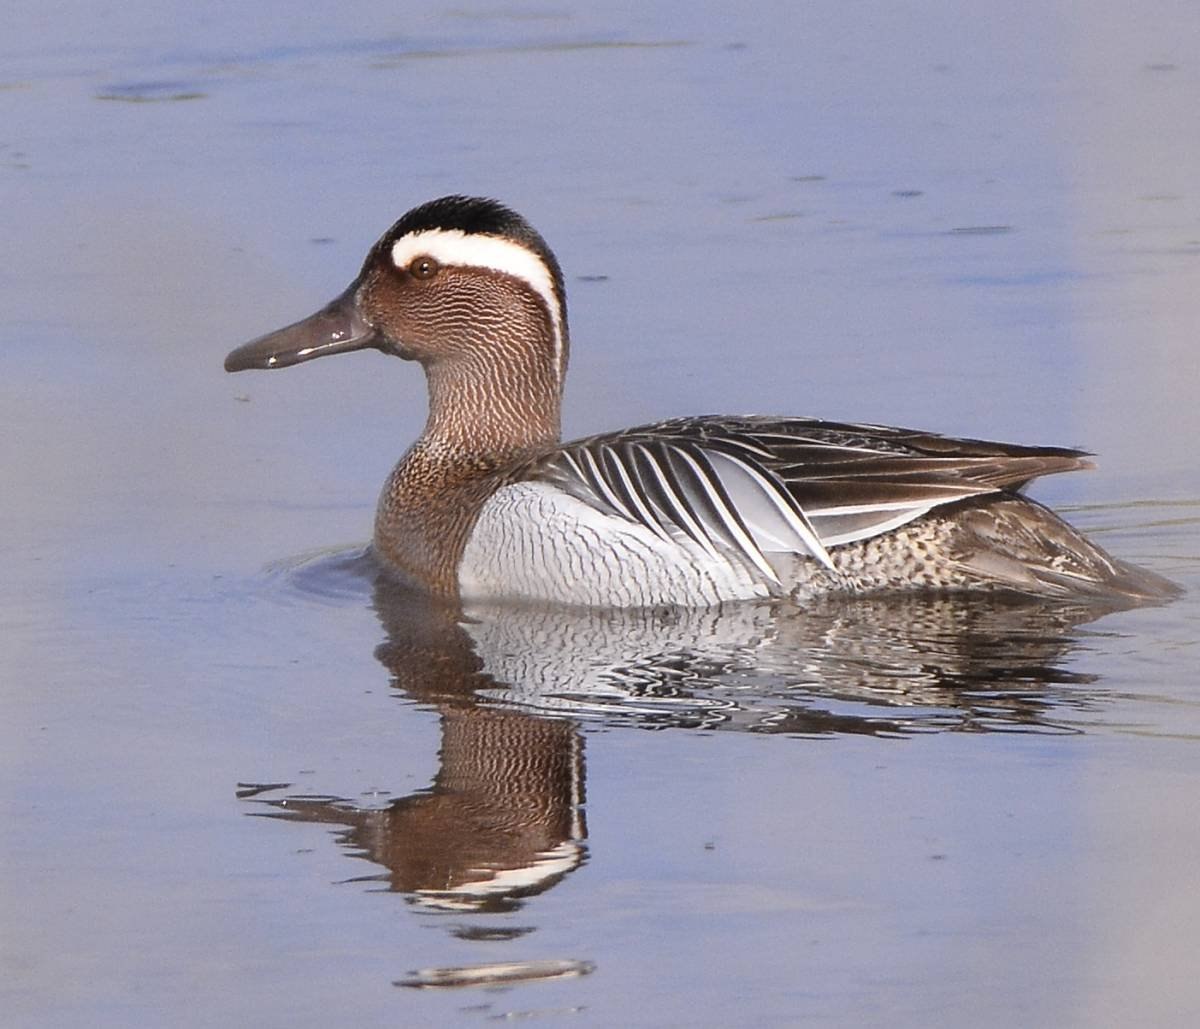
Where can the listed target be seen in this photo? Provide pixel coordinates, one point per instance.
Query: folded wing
(756, 486)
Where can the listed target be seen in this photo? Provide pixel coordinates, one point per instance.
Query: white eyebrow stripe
(455, 247)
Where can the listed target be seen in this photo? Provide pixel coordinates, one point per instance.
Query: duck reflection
(504, 818)
(514, 686)
(887, 665)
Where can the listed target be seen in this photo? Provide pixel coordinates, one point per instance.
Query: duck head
(451, 283)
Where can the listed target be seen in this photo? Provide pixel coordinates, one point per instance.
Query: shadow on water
(515, 687)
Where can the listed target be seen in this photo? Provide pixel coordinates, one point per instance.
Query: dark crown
(484, 217)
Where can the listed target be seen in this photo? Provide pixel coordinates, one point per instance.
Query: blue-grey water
(244, 784)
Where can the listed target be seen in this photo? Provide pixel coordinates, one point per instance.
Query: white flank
(532, 541)
(457, 248)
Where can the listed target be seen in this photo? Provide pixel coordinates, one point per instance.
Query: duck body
(489, 503)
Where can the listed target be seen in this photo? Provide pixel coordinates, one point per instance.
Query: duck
(490, 504)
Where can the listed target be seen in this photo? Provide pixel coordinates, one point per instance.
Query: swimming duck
(489, 503)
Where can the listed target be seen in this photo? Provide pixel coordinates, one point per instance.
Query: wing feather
(732, 527)
(751, 485)
(620, 477)
(674, 498)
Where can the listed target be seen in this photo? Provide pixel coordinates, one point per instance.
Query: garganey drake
(694, 511)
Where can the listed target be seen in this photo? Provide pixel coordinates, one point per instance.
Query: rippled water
(874, 665)
(247, 782)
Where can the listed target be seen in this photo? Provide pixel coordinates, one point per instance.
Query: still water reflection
(515, 687)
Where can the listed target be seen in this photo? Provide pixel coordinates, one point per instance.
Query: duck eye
(423, 268)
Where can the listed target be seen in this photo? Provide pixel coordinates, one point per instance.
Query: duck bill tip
(337, 328)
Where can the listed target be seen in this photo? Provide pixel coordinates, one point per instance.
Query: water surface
(245, 783)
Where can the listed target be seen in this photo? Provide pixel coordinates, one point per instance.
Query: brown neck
(489, 409)
(497, 404)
